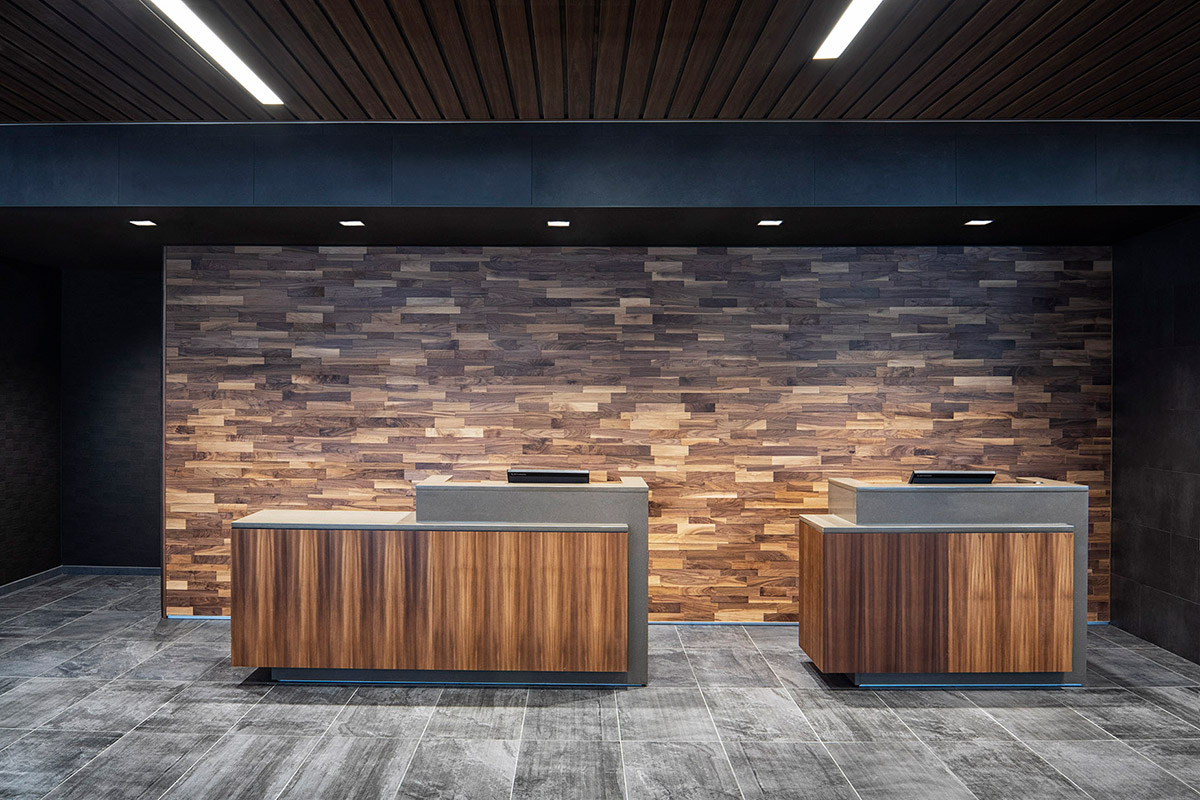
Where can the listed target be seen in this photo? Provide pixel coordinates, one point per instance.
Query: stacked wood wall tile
(735, 381)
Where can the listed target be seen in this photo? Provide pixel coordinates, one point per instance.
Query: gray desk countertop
(303, 519)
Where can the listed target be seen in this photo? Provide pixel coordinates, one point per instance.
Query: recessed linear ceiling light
(769, 223)
(352, 223)
(558, 223)
(977, 222)
(209, 42)
(852, 21)
(143, 223)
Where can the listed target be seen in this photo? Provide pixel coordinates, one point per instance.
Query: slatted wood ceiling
(115, 60)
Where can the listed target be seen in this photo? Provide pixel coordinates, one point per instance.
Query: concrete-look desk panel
(948, 551)
(483, 583)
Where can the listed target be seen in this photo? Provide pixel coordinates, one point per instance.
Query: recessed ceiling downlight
(851, 22)
(195, 28)
(558, 223)
(976, 223)
(352, 223)
(770, 223)
(143, 223)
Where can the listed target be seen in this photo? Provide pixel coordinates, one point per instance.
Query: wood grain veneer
(1009, 602)
(445, 600)
(936, 602)
(735, 381)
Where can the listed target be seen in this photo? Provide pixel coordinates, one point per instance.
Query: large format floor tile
(111, 701)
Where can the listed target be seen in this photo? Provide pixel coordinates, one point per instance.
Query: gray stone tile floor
(99, 698)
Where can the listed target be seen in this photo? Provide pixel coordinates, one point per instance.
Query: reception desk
(947, 584)
(486, 582)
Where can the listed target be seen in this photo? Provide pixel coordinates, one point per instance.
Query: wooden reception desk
(486, 582)
(947, 584)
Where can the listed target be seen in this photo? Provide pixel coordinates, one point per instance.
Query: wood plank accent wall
(735, 381)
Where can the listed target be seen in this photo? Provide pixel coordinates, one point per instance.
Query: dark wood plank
(447, 600)
(294, 57)
(781, 30)
(19, 87)
(362, 46)
(706, 46)
(580, 46)
(142, 32)
(513, 27)
(610, 57)
(645, 35)
(931, 23)
(446, 31)
(888, 33)
(748, 25)
(682, 20)
(414, 27)
(546, 18)
(396, 53)
(1058, 61)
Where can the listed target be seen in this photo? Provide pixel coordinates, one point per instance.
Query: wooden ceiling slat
(580, 46)
(645, 37)
(480, 25)
(1067, 63)
(682, 18)
(518, 55)
(144, 32)
(45, 55)
(610, 57)
(414, 27)
(937, 22)
(1051, 27)
(240, 25)
(546, 18)
(362, 45)
(447, 31)
(747, 27)
(780, 30)
(1140, 56)
(942, 63)
(316, 27)
(39, 49)
(796, 57)
(20, 94)
(888, 34)
(109, 50)
(118, 60)
(974, 59)
(706, 46)
(1165, 75)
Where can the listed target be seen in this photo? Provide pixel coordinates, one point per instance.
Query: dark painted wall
(111, 417)
(774, 164)
(1156, 447)
(29, 426)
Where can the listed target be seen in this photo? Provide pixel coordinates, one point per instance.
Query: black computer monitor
(955, 476)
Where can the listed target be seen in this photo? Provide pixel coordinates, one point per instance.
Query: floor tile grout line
(1154, 763)
(316, 743)
(420, 738)
(713, 720)
(219, 738)
(1036, 754)
(817, 737)
(924, 743)
(621, 743)
(1151, 660)
(116, 741)
(512, 789)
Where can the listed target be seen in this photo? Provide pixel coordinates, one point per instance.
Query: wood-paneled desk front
(947, 584)
(486, 582)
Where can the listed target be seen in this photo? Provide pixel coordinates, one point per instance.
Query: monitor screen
(972, 476)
